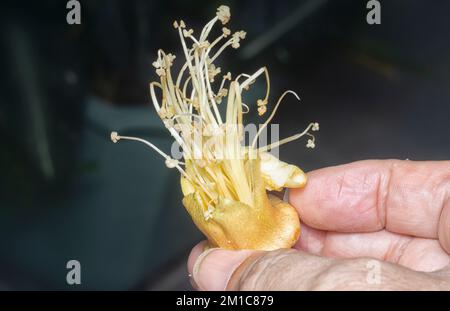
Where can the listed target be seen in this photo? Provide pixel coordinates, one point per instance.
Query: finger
(444, 226)
(415, 253)
(296, 270)
(219, 269)
(213, 268)
(405, 197)
(195, 253)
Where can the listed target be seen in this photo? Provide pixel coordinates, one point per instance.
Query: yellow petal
(269, 224)
(278, 174)
(186, 186)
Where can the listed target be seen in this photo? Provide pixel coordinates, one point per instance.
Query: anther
(115, 137)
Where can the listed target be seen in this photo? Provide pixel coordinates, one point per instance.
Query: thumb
(219, 269)
(212, 269)
(288, 269)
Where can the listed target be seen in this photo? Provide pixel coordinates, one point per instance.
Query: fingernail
(195, 253)
(213, 268)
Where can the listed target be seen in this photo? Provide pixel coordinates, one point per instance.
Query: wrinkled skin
(368, 225)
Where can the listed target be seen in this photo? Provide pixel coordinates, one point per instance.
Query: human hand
(368, 225)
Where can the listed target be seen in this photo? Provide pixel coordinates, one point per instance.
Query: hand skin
(387, 217)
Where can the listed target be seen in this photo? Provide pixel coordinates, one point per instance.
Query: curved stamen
(272, 115)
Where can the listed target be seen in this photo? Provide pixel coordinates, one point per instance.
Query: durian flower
(225, 184)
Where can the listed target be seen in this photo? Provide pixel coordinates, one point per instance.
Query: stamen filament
(272, 115)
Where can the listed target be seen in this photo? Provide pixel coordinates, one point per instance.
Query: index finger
(404, 197)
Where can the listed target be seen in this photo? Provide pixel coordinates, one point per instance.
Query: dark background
(67, 192)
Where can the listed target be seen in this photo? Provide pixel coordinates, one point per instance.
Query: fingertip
(311, 240)
(341, 198)
(194, 254)
(213, 269)
(305, 200)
